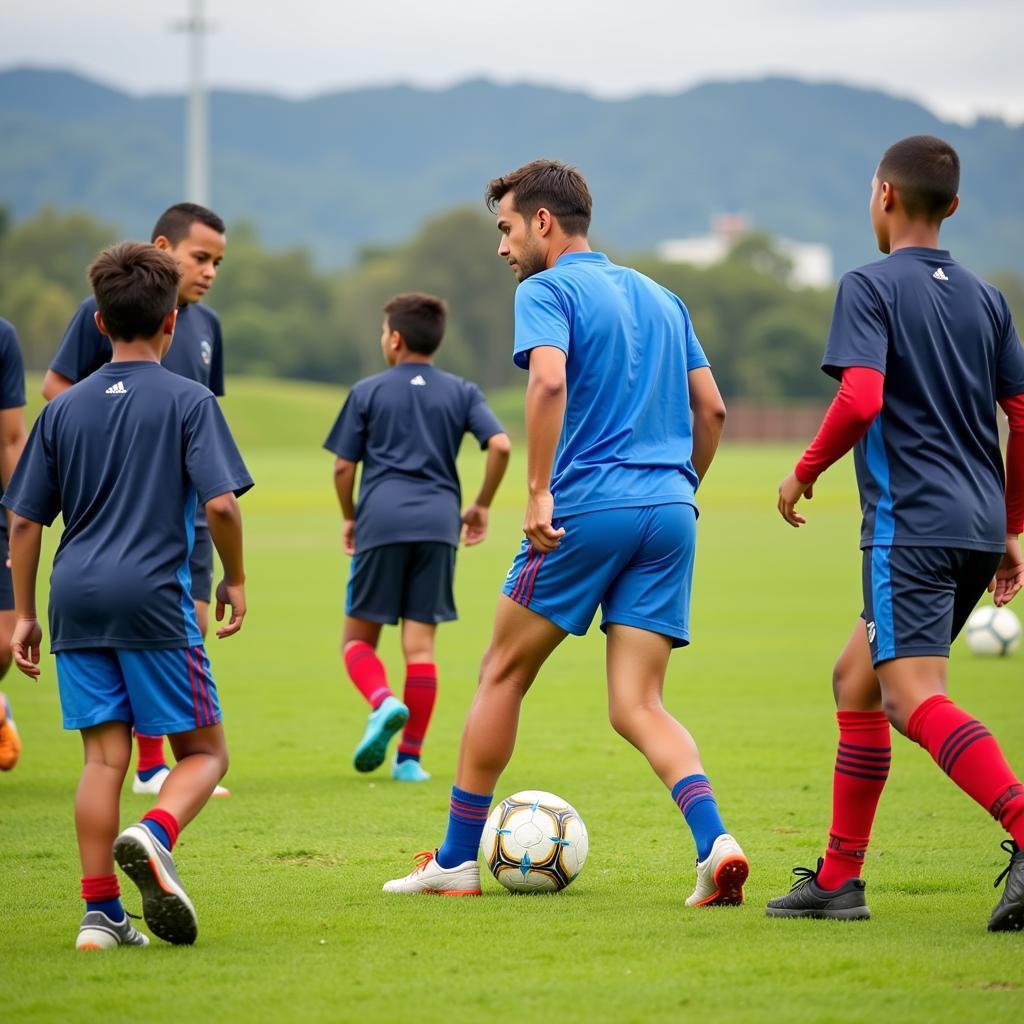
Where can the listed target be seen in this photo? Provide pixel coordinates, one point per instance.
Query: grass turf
(286, 873)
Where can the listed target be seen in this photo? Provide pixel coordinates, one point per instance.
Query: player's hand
(348, 536)
(474, 523)
(1009, 578)
(25, 643)
(791, 490)
(232, 594)
(540, 510)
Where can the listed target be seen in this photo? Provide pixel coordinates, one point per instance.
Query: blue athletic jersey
(406, 426)
(197, 351)
(930, 470)
(629, 345)
(12, 369)
(125, 455)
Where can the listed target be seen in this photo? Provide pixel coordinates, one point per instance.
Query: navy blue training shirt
(12, 369)
(197, 351)
(125, 456)
(930, 469)
(406, 425)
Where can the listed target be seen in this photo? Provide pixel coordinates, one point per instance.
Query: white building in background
(812, 262)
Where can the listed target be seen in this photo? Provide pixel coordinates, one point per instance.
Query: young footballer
(615, 371)
(194, 235)
(924, 350)
(125, 457)
(405, 426)
(12, 440)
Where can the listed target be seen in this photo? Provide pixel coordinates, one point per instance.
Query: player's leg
(374, 599)
(175, 691)
(419, 696)
(10, 741)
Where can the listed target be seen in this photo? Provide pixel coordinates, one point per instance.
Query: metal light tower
(197, 158)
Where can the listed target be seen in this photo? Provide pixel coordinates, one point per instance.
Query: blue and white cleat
(383, 724)
(97, 931)
(409, 771)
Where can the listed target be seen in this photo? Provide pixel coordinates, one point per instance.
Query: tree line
(283, 316)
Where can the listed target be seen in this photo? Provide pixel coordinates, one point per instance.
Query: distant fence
(750, 422)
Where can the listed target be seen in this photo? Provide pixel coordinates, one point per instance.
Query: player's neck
(565, 246)
(413, 357)
(914, 234)
(137, 351)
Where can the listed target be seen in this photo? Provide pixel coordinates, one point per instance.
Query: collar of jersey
(573, 257)
(923, 250)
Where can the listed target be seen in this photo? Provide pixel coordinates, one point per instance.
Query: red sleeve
(852, 411)
(1014, 409)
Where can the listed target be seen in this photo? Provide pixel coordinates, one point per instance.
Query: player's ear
(100, 325)
(888, 196)
(163, 242)
(953, 206)
(543, 221)
(169, 321)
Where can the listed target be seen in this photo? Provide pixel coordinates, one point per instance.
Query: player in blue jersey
(12, 440)
(924, 351)
(194, 235)
(406, 426)
(125, 457)
(615, 371)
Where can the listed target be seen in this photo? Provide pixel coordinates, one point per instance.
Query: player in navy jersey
(125, 457)
(12, 440)
(615, 371)
(194, 235)
(924, 351)
(406, 426)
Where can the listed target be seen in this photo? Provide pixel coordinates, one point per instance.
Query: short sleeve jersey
(12, 369)
(929, 469)
(125, 456)
(406, 426)
(629, 345)
(197, 351)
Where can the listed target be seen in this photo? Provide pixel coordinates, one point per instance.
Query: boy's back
(126, 455)
(406, 426)
(930, 468)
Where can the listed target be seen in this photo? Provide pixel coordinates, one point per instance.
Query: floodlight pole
(197, 159)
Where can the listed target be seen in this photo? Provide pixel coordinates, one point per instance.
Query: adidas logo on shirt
(418, 381)
(117, 389)
(940, 275)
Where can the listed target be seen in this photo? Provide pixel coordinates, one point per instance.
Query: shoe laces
(805, 875)
(1012, 849)
(423, 858)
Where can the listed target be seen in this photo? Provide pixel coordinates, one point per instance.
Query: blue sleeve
(695, 357)
(1009, 360)
(212, 458)
(347, 438)
(217, 360)
(12, 370)
(480, 419)
(34, 488)
(543, 317)
(859, 335)
(82, 350)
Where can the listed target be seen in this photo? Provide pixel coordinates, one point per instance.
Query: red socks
(151, 752)
(366, 670)
(166, 822)
(100, 888)
(862, 766)
(420, 694)
(966, 751)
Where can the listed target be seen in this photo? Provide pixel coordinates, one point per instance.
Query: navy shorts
(157, 691)
(6, 584)
(201, 565)
(635, 563)
(916, 600)
(413, 580)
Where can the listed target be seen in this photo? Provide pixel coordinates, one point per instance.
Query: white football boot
(721, 876)
(97, 931)
(153, 785)
(429, 878)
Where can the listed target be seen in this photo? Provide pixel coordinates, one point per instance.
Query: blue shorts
(157, 691)
(636, 563)
(412, 580)
(916, 600)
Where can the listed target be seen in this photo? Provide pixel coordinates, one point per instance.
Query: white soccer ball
(992, 631)
(534, 842)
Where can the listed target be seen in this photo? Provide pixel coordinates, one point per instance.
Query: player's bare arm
(708, 410)
(344, 485)
(12, 441)
(1009, 577)
(225, 521)
(545, 411)
(54, 383)
(474, 519)
(26, 540)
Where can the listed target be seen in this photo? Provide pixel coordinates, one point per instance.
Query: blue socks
(112, 908)
(402, 756)
(467, 816)
(159, 833)
(148, 773)
(696, 800)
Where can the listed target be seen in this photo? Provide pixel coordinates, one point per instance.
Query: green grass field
(286, 874)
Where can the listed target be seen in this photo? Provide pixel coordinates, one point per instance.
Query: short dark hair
(550, 184)
(419, 318)
(926, 173)
(136, 286)
(176, 222)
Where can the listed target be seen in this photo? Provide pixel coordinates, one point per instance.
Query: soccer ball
(534, 842)
(993, 631)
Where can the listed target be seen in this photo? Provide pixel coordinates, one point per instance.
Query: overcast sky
(959, 57)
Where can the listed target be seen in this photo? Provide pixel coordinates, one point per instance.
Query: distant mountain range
(365, 167)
